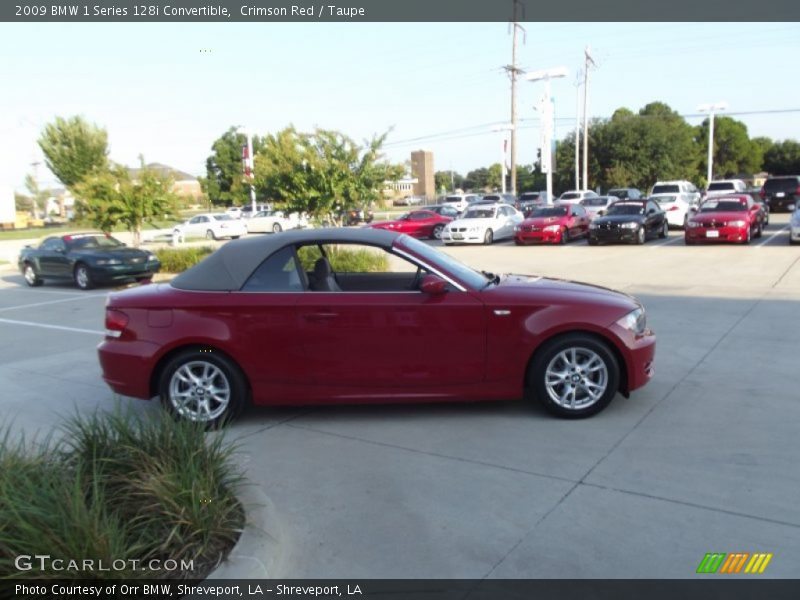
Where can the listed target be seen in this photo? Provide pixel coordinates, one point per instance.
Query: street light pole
(509, 127)
(546, 120)
(248, 166)
(711, 109)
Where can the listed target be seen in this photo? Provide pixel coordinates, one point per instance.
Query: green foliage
(477, 179)
(73, 149)
(110, 197)
(177, 260)
(225, 183)
(529, 179)
(449, 181)
(119, 488)
(783, 158)
(734, 152)
(23, 203)
(345, 259)
(323, 172)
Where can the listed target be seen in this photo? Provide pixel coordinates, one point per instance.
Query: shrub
(120, 488)
(177, 260)
(345, 259)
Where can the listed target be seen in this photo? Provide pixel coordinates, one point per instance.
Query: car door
(579, 224)
(381, 343)
(197, 226)
(52, 258)
(418, 224)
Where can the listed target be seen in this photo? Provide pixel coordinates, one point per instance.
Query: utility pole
(247, 165)
(35, 199)
(587, 61)
(578, 84)
(513, 72)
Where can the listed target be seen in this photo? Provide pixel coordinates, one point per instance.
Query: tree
(224, 183)
(783, 158)
(448, 180)
(495, 176)
(763, 144)
(113, 197)
(38, 197)
(322, 173)
(74, 149)
(477, 179)
(734, 152)
(530, 179)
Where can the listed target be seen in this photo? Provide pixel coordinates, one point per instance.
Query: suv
(575, 196)
(677, 199)
(782, 193)
(723, 187)
(530, 200)
(460, 201)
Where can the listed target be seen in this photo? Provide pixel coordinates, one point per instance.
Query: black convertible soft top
(228, 268)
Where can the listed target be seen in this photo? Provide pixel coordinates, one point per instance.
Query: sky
(168, 90)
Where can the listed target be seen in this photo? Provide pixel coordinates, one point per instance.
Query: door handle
(320, 316)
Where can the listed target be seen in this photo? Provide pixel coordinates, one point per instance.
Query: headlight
(552, 228)
(109, 261)
(630, 225)
(693, 224)
(151, 257)
(736, 223)
(635, 321)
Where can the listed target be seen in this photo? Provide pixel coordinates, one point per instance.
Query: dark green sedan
(88, 259)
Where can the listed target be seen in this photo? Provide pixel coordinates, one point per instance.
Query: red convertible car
(417, 223)
(553, 224)
(726, 219)
(280, 320)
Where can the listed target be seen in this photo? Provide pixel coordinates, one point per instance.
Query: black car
(782, 193)
(87, 259)
(629, 221)
(446, 210)
(529, 200)
(626, 193)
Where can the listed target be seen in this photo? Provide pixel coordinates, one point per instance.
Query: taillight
(116, 322)
(671, 208)
(763, 193)
(797, 191)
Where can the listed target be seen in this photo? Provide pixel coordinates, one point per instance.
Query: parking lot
(703, 459)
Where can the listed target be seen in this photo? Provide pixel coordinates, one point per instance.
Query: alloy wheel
(199, 391)
(576, 378)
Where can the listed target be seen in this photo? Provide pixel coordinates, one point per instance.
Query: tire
(276, 228)
(641, 236)
(436, 233)
(190, 376)
(592, 241)
(210, 235)
(664, 230)
(759, 230)
(177, 236)
(82, 277)
(234, 237)
(30, 276)
(448, 243)
(488, 237)
(564, 235)
(749, 237)
(685, 221)
(558, 375)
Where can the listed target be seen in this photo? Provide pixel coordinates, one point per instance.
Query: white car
(460, 201)
(794, 228)
(210, 226)
(676, 206)
(574, 196)
(235, 212)
(482, 224)
(723, 187)
(274, 221)
(596, 206)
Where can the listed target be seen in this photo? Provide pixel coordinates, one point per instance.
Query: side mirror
(433, 285)
(60, 251)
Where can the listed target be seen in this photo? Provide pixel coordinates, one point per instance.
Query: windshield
(435, 258)
(492, 198)
(453, 199)
(626, 209)
(599, 201)
(665, 199)
(529, 196)
(570, 195)
(723, 206)
(720, 186)
(553, 211)
(666, 189)
(479, 212)
(223, 217)
(92, 241)
(619, 193)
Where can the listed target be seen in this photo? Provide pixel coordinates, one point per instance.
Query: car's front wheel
(210, 235)
(664, 230)
(31, 278)
(574, 376)
(202, 386)
(488, 237)
(641, 235)
(564, 235)
(276, 228)
(82, 277)
(436, 234)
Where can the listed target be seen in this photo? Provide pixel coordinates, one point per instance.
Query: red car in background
(417, 223)
(553, 225)
(735, 218)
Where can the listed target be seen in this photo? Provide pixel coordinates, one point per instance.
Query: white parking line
(52, 302)
(40, 291)
(673, 239)
(43, 326)
(766, 241)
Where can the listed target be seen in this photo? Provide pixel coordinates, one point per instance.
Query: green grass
(119, 488)
(177, 260)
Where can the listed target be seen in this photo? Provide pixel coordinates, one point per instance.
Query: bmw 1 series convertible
(368, 316)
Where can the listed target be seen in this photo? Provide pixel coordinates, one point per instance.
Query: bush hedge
(119, 488)
(177, 260)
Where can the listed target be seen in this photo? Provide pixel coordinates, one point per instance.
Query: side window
(578, 211)
(279, 273)
(49, 244)
(419, 216)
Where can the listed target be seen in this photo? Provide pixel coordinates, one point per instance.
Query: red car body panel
(379, 347)
(415, 227)
(532, 230)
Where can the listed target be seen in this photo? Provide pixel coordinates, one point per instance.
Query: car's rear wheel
(664, 230)
(436, 234)
(488, 237)
(748, 237)
(202, 386)
(82, 277)
(641, 235)
(685, 221)
(759, 230)
(574, 376)
(276, 228)
(210, 235)
(564, 235)
(31, 278)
